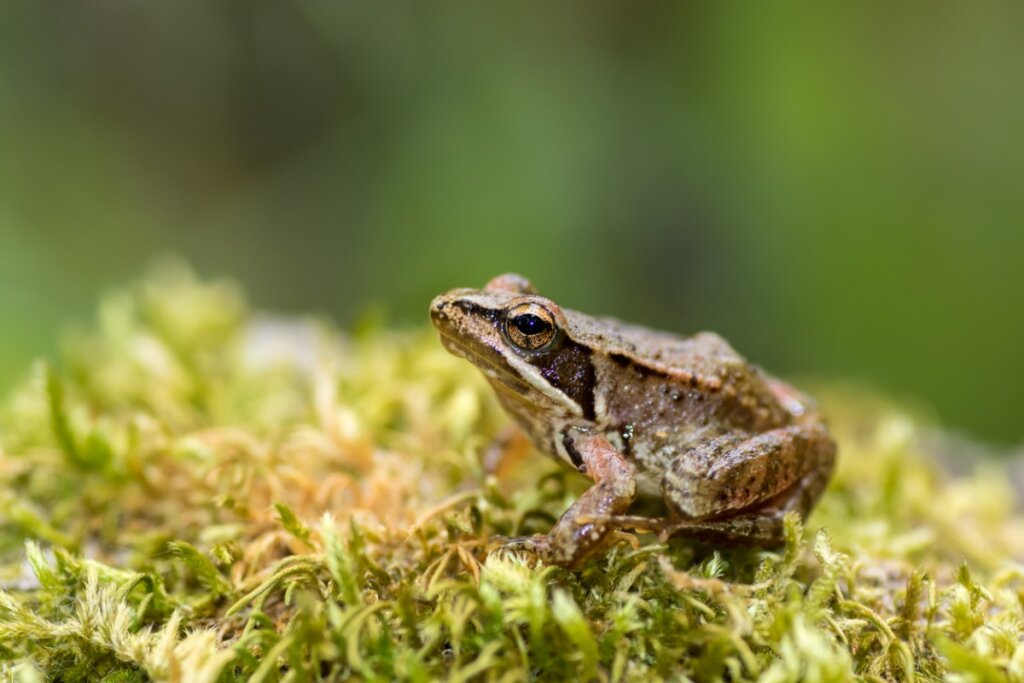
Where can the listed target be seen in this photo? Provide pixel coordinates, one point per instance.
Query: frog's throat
(517, 403)
(507, 381)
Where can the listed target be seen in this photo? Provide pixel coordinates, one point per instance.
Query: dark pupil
(530, 324)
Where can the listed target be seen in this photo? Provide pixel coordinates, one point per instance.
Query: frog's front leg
(741, 488)
(574, 538)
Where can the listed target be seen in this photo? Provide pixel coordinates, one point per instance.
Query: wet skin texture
(644, 414)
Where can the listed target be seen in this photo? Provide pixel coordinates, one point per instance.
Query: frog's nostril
(437, 307)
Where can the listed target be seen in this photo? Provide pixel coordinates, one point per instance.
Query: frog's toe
(527, 543)
(538, 545)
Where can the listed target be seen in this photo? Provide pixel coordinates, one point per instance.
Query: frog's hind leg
(634, 522)
(762, 525)
(745, 492)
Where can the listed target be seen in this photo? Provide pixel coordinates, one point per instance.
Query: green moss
(197, 493)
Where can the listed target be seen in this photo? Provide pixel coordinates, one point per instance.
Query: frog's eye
(530, 327)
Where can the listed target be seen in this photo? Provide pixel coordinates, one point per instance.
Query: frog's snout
(445, 309)
(438, 314)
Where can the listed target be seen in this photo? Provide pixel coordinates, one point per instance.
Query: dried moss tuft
(199, 493)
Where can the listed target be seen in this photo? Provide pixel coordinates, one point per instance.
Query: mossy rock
(197, 493)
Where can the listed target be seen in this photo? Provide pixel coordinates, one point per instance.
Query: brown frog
(645, 414)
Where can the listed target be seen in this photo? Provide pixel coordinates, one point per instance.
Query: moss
(199, 493)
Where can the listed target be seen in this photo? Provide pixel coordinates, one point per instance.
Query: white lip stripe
(527, 372)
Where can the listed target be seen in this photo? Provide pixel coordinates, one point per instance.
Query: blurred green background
(835, 188)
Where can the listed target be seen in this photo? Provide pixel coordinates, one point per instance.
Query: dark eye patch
(570, 370)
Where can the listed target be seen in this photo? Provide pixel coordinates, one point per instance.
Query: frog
(723, 449)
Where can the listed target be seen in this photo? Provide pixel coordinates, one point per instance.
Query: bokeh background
(836, 188)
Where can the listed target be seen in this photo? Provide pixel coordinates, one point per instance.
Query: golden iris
(530, 326)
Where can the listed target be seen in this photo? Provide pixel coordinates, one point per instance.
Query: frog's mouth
(490, 362)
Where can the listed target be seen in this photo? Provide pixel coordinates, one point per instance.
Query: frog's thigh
(765, 523)
(699, 485)
(822, 460)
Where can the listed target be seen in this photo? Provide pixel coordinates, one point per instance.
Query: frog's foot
(623, 537)
(549, 551)
(530, 544)
(541, 546)
(761, 528)
(757, 528)
(571, 540)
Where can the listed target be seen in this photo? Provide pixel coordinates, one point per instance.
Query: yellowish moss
(194, 492)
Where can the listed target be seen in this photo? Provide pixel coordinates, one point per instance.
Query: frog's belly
(648, 485)
(652, 457)
(649, 467)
